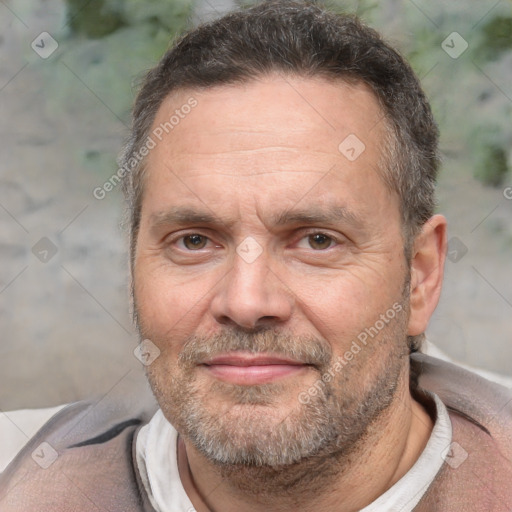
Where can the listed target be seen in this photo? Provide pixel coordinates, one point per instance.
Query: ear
(427, 269)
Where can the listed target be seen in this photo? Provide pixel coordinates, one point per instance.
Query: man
(285, 262)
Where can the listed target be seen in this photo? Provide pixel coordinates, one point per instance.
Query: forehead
(278, 135)
(323, 111)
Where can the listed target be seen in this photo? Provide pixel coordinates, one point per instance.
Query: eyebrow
(319, 214)
(183, 215)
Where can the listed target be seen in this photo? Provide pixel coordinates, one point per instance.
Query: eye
(317, 241)
(194, 241)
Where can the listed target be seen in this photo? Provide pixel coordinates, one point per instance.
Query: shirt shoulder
(477, 472)
(18, 427)
(82, 459)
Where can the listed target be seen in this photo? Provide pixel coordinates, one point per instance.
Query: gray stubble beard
(307, 449)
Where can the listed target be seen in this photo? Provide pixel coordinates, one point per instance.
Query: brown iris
(194, 242)
(319, 241)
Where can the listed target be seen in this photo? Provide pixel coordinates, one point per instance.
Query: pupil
(194, 241)
(320, 240)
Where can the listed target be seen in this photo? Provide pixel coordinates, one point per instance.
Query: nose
(252, 296)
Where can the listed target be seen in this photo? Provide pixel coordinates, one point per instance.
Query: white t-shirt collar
(157, 461)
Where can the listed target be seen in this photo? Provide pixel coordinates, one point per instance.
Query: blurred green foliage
(108, 45)
(492, 167)
(112, 41)
(95, 19)
(496, 38)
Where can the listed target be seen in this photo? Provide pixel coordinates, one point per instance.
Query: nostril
(248, 327)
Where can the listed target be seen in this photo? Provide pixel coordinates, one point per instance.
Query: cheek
(169, 308)
(339, 301)
(345, 308)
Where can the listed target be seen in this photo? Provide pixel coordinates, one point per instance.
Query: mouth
(250, 369)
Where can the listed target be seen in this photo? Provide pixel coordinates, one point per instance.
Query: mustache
(310, 350)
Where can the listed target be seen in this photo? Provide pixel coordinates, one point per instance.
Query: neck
(345, 481)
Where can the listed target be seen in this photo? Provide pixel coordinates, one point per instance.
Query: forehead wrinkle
(237, 174)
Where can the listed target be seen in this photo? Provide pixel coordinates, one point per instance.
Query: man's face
(268, 243)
